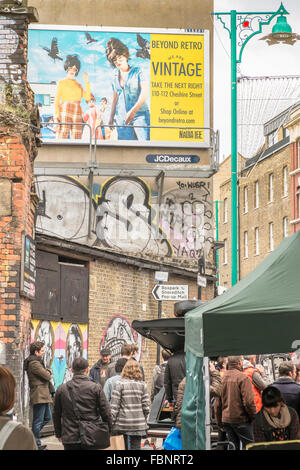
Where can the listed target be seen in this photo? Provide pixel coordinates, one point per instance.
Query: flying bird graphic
(89, 38)
(54, 51)
(144, 52)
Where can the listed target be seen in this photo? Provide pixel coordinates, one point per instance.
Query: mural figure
(69, 341)
(45, 334)
(74, 347)
(117, 333)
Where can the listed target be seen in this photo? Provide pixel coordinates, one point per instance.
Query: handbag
(92, 433)
(173, 440)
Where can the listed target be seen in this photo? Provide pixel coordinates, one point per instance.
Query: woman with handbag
(81, 416)
(130, 406)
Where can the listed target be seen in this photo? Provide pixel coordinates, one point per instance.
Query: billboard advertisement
(131, 86)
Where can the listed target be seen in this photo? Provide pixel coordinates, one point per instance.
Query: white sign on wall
(170, 292)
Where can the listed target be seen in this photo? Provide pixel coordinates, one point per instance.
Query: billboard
(147, 87)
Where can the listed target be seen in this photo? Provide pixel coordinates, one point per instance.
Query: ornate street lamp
(242, 26)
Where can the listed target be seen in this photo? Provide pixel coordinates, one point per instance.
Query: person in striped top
(130, 406)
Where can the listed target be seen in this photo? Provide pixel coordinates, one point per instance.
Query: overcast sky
(259, 59)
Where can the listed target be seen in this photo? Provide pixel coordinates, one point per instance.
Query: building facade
(265, 200)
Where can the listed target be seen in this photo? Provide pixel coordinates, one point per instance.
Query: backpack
(6, 431)
(159, 381)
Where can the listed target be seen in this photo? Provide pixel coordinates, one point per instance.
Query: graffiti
(188, 219)
(117, 333)
(127, 221)
(125, 218)
(64, 209)
(11, 70)
(63, 343)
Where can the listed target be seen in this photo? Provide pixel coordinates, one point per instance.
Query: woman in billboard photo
(130, 91)
(68, 98)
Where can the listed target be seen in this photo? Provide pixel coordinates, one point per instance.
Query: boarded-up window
(74, 293)
(61, 290)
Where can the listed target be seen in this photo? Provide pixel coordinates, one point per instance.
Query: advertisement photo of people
(109, 86)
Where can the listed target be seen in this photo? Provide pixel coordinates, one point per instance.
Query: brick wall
(15, 311)
(119, 290)
(17, 151)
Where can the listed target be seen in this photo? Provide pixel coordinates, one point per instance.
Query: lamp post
(242, 26)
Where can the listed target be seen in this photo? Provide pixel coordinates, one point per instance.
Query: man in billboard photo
(130, 91)
(68, 98)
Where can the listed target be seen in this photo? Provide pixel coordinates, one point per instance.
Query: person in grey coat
(111, 382)
(130, 406)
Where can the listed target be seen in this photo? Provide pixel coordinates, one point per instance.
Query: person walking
(91, 403)
(98, 372)
(41, 389)
(126, 352)
(276, 421)
(134, 353)
(174, 373)
(130, 406)
(221, 364)
(111, 382)
(254, 374)
(13, 435)
(286, 383)
(159, 374)
(235, 408)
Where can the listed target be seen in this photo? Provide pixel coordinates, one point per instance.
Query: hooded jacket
(39, 380)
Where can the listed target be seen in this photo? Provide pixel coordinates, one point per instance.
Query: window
(225, 252)
(245, 244)
(298, 202)
(271, 236)
(286, 132)
(285, 227)
(298, 154)
(271, 187)
(285, 181)
(272, 138)
(245, 199)
(225, 211)
(256, 195)
(257, 241)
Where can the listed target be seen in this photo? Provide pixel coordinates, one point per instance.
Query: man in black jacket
(287, 385)
(90, 400)
(174, 373)
(98, 372)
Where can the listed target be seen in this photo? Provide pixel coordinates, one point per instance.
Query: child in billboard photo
(93, 117)
(68, 98)
(130, 91)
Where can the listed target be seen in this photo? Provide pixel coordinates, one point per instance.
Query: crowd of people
(249, 409)
(245, 406)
